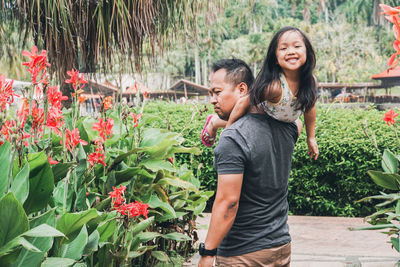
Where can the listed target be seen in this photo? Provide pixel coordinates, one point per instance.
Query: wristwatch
(206, 252)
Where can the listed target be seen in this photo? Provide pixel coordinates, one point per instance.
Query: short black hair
(237, 71)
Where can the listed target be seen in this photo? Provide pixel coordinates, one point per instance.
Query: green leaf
(130, 174)
(157, 165)
(93, 243)
(26, 257)
(43, 230)
(13, 220)
(107, 230)
(59, 262)
(20, 184)
(395, 242)
(71, 222)
(160, 255)
(390, 164)
(147, 236)
(177, 237)
(41, 182)
(155, 202)
(60, 170)
(74, 250)
(374, 227)
(178, 183)
(142, 225)
(385, 180)
(5, 160)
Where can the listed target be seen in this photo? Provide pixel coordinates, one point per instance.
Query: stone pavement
(327, 242)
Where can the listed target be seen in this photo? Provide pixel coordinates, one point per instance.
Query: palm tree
(96, 34)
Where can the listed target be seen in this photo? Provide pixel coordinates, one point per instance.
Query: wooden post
(184, 89)
(175, 94)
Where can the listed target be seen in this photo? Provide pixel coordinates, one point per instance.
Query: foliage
(329, 186)
(88, 191)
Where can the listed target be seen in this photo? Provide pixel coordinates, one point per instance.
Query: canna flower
(75, 80)
(55, 97)
(388, 10)
(54, 119)
(82, 99)
(117, 195)
(8, 129)
(107, 103)
(37, 65)
(134, 209)
(52, 161)
(104, 128)
(146, 95)
(72, 139)
(97, 157)
(6, 92)
(135, 119)
(389, 117)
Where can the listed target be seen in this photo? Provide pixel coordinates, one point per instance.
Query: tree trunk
(197, 64)
(205, 71)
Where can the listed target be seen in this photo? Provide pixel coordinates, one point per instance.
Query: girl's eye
(283, 48)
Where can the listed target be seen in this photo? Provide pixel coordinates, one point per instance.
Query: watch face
(201, 249)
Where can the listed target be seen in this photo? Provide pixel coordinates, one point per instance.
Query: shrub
(329, 186)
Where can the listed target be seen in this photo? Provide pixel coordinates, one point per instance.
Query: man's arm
(223, 212)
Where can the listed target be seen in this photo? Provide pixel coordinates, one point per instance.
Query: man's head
(229, 79)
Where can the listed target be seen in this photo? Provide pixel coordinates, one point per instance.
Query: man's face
(224, 94)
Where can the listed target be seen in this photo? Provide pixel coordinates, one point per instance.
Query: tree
(97, 34)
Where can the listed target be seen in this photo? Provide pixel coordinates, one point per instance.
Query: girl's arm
(240, 108)
(309, 121)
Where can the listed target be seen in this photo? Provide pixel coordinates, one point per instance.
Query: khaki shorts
(269, 257)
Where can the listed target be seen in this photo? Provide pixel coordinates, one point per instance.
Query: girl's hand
(312, 147)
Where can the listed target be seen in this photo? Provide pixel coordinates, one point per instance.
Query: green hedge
(329, 186)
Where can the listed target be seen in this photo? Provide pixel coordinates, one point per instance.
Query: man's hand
(206, 261)
(312, 148)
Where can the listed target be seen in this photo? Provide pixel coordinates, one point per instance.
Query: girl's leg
(299, 125)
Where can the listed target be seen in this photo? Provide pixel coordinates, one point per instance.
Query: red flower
(52, 161)
(38, 117)
(55, 97)
(82, 99)
(72, 139)
(75, 80)
(37, 64)
(116, 196)
(387, 10)
(134, 209)
(135, 119)
(146, 95)
(389, 117)
(96, 157)
(104, 128)
(54, 119)
(8, 129)
(6, 92)
(107, 102)
(171, 160)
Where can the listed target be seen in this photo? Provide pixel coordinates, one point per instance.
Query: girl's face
(291, 51)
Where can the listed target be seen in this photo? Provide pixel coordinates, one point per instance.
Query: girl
(284, 89)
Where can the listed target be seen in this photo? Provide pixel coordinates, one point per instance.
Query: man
(253, 158)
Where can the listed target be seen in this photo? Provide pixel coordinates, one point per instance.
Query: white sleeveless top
(286, 109)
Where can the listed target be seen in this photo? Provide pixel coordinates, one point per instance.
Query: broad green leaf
(106, 230)
(160, 255)
(71, 222)
(59, 262)
(159, 143)
(60, 170)
(27, 258)
(74, 250)
(147, 236)
(93, 243)
(386, 180)
(155, 202)
(177, 183)
(58, 197)
(177, 237)
(43, 230)
(390, 164)
(167, 217)
(13, 220)
(373, 227)
(123, 156)
(14, 244)
(5, 161)
(395, 242)
(130, 174)
(41, 182)
(157, 165)
(20, 184)
(142, 225)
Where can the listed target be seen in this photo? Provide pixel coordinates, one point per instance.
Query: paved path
(327, 242)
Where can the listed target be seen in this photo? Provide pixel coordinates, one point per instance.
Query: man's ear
(243, 88)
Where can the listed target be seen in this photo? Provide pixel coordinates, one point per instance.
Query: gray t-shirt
(261, 148)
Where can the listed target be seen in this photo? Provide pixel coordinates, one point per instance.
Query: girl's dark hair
(270, 71)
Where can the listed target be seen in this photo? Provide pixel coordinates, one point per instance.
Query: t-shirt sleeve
(230, 153)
